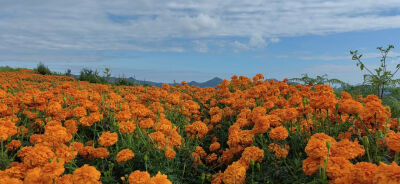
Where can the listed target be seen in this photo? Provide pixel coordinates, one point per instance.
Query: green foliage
(43, 69)
(122, 81)
(306, 80)
(381, 77)
(107, 74)
(68, 73)
(8, 69)
(91, 76)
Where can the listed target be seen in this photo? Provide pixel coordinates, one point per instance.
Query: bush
(122, 81)
(8, 69)
(43, 69)
(91, 76)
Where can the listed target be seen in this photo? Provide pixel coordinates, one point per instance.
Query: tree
(306, 80)
(381, 77)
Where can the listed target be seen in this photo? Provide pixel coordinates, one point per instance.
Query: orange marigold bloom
(77, 146)
(338, 167)
(100, 153)
(127, 127)
(146, 123)
(86, 175)
(214, 146)
(17, 170)
(364, 172)
(53, 108)
(347, 149)
(393, 141)
(123, 115)
(234, 174)
(71, 126)
(13, 145)
(316, 146)
(7, 129)
(139, 177)
(57, 133)
(8, 180)
(35, 156)
(33, 176)
(279, 151)
(198, 129)
(279, 133)
(211, 158)
(261, 124)
(124, 155)
(170, 153)
(387, 173)
(53, 169)
(160, 179)
(252, 153)
(350, 106)
(108, 138)
(80, 112)
(310, 166)
(65, 179)
(201, 151)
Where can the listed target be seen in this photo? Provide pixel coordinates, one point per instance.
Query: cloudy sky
(178, 40)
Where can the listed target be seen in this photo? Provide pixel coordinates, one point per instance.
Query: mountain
(210, 83)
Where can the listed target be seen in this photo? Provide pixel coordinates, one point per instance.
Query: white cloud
(257, 41)
(274, 40)
(200, 46)
(155, 25)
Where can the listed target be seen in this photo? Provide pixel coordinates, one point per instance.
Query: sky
(185, 40)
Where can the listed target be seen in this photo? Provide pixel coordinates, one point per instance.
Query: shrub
(43, 69)
(91, 76)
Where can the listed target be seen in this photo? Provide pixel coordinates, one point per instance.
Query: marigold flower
(13, 145)
(214, 146)
(108, 138)
(364, 172)
(280, 151)
(7, 129)
(170, 153)
(56, 134)
(338, 167)
(86, 175)
(33, 176)
(53, 169)
(211, 158)
(100, 153)
(8, 180)
(71, 126)
(35, 156)
(261, 124)
(160, 179)
(139, 177)
(198, 129)
(347, 149)
(127, 127)
(80, 112)
(393, 141)
(146, 123)
(124, 155)
(252, 153)
(234, 174)
(278, 133)
(316, 146)
(310, 166)
(387, 173)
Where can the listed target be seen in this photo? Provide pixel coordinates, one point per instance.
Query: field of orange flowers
(56, 129)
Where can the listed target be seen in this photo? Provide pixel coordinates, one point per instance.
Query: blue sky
(197, 40)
